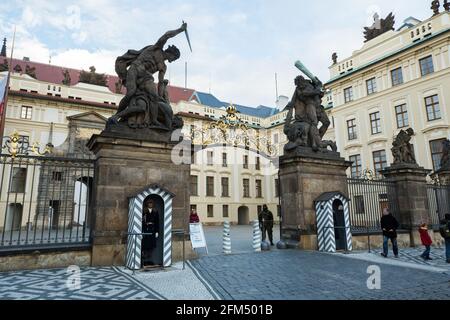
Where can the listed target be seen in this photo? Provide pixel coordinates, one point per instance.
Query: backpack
(444, 229)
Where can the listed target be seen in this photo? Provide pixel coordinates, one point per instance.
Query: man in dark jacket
(445, 233)
(389, 225)
(266, 224)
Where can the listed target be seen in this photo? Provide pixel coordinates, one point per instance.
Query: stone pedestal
(411, 186)
(124, 166)
(303, 178)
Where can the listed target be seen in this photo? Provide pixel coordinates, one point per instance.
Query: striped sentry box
(136, 204)
(325, 222)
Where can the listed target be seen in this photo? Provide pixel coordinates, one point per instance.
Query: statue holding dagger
(146, 105)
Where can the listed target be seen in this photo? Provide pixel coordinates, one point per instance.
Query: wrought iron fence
(438, 202)
(368, 198)
(44, 202)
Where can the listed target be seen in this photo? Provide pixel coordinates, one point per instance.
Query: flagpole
(3, 115)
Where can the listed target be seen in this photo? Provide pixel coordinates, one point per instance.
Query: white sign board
(197, 235)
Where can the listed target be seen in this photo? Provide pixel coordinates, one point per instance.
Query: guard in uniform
(266, 224)
(150, 224)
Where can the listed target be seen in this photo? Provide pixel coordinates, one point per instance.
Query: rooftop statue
(147, 105)
(379, 26)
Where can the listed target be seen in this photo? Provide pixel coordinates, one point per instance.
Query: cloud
(238, 45)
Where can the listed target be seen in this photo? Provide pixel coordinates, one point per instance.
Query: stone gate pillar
(411, 186)
(304, 176)
(125, 165)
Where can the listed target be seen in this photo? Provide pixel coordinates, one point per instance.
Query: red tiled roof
(54, 74)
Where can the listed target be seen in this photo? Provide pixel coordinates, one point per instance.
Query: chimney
(3, 52)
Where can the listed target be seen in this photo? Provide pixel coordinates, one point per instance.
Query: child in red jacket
(426, 241)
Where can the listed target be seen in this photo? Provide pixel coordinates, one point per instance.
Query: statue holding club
(303, 130)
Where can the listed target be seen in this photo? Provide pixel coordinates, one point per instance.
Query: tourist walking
(389, 225)
(426, 241)
(445, 233)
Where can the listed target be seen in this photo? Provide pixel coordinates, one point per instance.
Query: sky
(238, 45)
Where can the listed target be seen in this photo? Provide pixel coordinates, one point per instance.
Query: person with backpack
(444, 229)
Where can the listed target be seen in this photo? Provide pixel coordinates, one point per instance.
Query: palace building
(62, 108)
(399, 79)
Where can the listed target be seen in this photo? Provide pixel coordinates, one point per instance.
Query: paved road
(241, 239)
(300, 275)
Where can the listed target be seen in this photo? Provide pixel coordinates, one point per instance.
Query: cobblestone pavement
(104, 284)
(241, 239)
(300, 275)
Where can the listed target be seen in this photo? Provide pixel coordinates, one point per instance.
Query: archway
(243, 216)
(339, 225)
(82, 197)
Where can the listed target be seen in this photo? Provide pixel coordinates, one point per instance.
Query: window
(277, 188)
(225, 213)
(426, 65)
(18, 181)
(402, 116)
(224, 160)
(245, 165)
(359, 204)
(210, 186)
(433, 108)
(356, 168)
(194, 185)
(246, 183)
(275, 138)
(348, 94)
(436, 147)
(371, 85)
(351, 129)
(225, 187)
(375, 122)
(210, 211)
(379, 160)
(210, 156)
(258, 188)
(26, 112)
(258, 164)
(57, 176)
(397, 77)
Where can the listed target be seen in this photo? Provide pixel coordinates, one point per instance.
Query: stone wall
(42, 260)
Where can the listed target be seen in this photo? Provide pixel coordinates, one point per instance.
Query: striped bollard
(256, 236)
(226, 238)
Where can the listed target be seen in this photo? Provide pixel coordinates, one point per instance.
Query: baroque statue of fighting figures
(402, 149)
(305, 113)
(146, 105)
